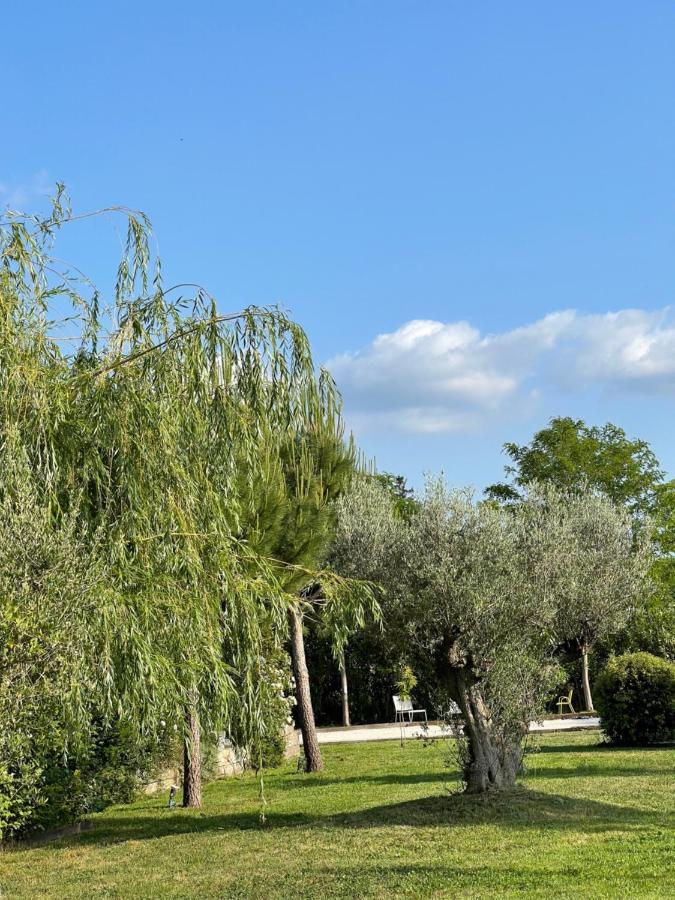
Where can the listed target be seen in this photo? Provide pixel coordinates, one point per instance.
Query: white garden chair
(405, 710)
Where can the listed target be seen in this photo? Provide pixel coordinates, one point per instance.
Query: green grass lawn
(385, 821)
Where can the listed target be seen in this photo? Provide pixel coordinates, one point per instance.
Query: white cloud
(433, 376)
(19, 196)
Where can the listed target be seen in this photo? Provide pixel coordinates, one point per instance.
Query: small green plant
(636, 699)
(20, 795)
(406, 683)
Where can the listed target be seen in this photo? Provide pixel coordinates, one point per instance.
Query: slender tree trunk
(310, 741)
(192, 760)
(345, 691)
(588, 697)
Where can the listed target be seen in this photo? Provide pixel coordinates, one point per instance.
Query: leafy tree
(599, 593)
(402, 495)
(651, 624)
(375, 656)
(478, 590)
(572, 455)
(141, 436)
(652, 627)
(361, 553)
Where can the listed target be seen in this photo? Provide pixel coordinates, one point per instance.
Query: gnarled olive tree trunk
(493, 754)
(310, 740)
(492, 761)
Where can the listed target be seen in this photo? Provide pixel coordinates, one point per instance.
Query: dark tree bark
(310, 741)
(192, 760)
(345, 691)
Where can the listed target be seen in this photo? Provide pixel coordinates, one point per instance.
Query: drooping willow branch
(177, 336)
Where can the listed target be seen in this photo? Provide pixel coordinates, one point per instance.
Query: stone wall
(223, 764)
(292, 742)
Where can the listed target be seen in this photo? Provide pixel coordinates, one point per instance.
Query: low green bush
(20, 796)
(635, 696)
(264, 745)
(40, 789)
(269, 750)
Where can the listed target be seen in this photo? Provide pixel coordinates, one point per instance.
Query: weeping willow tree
(140, 421)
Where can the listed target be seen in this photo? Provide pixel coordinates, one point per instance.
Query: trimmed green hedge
(636, 699)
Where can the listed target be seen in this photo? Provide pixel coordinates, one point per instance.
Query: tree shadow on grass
(532, 770)
(589, 770)
(557, 877)
(600, 747)
(521, 809)
(303, 781)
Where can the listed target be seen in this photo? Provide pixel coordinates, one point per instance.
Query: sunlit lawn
(383, 821)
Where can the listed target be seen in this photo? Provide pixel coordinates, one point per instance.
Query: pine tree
(290, 521)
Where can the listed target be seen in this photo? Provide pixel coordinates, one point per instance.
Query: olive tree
(488, 587)
(478, 592)
(605, 575)
(365, 527)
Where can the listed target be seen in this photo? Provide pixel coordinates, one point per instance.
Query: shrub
(20, 796)
(636, 699)
(264, 746)
(41, 789)
(270, 750)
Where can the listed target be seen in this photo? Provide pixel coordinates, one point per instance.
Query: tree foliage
(572, 455)
(143, 436)
(478, 594)
(601, 593)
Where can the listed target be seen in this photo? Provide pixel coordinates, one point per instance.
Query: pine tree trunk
(310, 741)
(588, 697)
(192, 760)
(345, 691)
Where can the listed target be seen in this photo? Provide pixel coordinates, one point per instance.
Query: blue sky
(376, 164)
